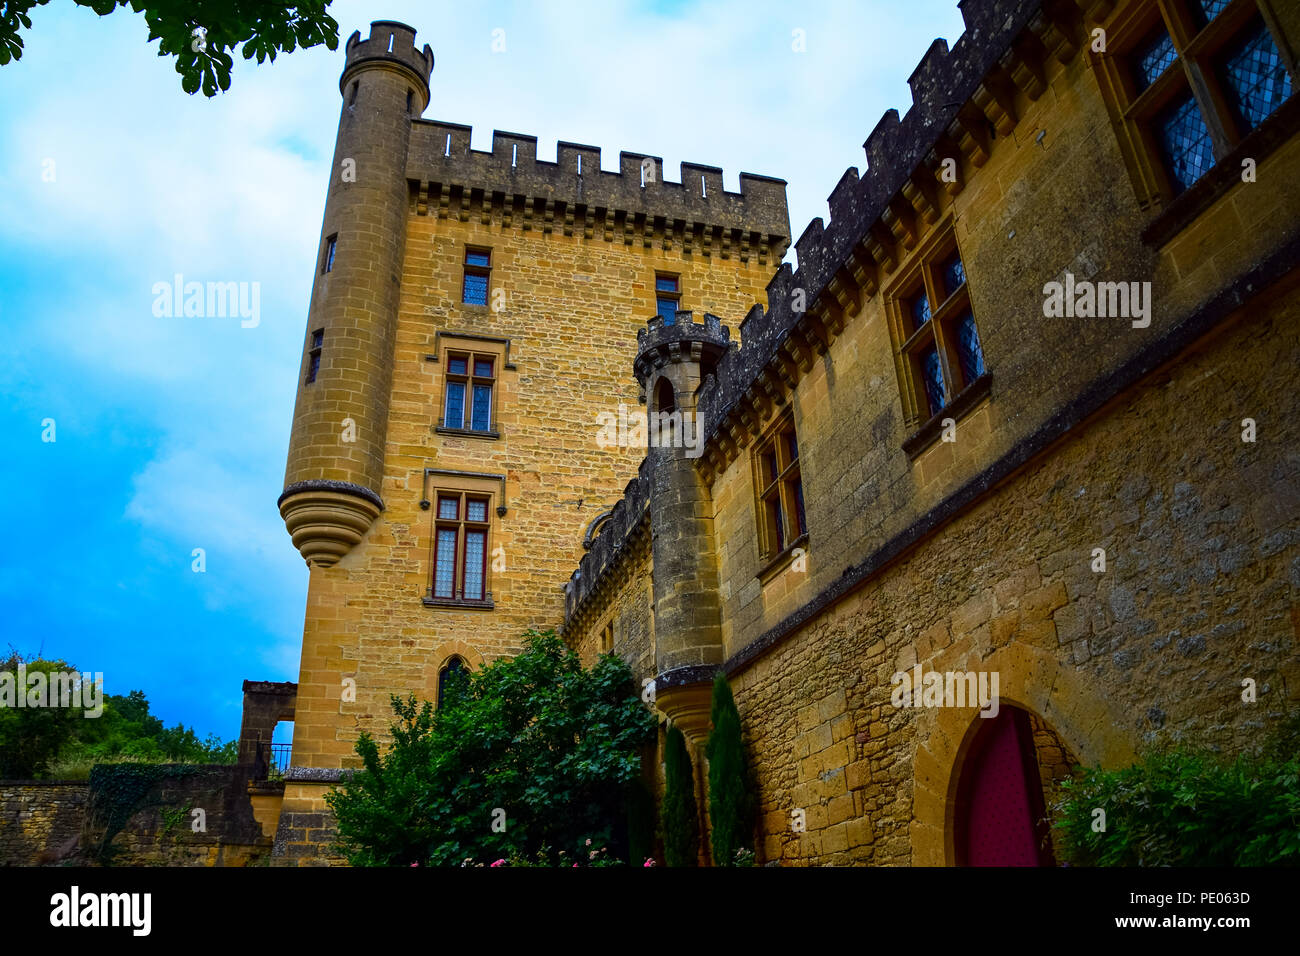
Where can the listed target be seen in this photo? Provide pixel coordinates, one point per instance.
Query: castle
(898, 461)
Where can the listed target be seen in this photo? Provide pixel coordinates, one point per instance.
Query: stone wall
(160, 832)
(572, 309)
(40, 820)
(1203, 577)
(51, 822)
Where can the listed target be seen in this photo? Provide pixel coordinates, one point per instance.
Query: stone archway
(1033, 681)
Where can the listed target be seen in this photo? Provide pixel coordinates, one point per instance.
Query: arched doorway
(1000, 817)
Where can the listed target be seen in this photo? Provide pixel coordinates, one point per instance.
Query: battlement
(945, 120)
(389, 42)
(661, 342)
(943, 84)
(697, 212)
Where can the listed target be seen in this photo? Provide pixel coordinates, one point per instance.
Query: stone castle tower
(473, 321)
(911, 469)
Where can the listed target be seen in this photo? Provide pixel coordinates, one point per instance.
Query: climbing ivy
(119, 791)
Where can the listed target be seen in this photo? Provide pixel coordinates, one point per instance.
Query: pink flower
(499, 863)
(575, 866)
(417, 863)
(588, 841)
(649, 861)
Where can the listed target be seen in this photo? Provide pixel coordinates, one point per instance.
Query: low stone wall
(60, 822)
(40, 820)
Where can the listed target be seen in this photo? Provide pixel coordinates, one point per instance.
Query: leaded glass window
(460, 547)
(969, 353)
(475, 389)
(1184, 142)
(477, 273)
(454, 416)
(932, 378)
(920, 310)
(1152, 57)
(1254, 79)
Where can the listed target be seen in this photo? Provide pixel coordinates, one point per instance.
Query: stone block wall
(40, 820)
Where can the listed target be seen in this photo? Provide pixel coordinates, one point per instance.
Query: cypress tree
(731, 795)
(679, 815)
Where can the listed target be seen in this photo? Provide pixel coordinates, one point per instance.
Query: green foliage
(552, 745)
(1186, 807)
(679, 817)
(63, 743)
(31, 737)
(201, 34)
(731, 792)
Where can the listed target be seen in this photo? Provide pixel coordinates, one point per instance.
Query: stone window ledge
(1225, 174)
(460, 605)
(966, 400)
(492, 435)
(782, 560)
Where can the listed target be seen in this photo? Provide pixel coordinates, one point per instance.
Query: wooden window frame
(477, 270)
(462, 526)
(674, 296)
(922, 275)
(1194, 70)
(779, 497)
(470, 379)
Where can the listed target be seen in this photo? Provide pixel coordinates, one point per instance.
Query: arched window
(454, 665)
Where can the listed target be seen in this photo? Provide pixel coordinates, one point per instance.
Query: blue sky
(170, 432)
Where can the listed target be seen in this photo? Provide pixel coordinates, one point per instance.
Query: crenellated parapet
(391, 45)
(661, 344)
(573, 196)
(961, 98)
(618, 537)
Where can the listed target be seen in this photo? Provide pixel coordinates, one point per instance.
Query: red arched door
(1000, 819)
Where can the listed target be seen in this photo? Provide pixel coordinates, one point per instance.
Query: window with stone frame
(932, 324)
(461, 527)
(607, 637)
(478, 275)
(453, 666)
(1188, 80)
(668, 296)
(778, 485)
(468, 390)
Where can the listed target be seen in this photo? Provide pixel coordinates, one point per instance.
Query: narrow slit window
(314, 353)
(327, 261)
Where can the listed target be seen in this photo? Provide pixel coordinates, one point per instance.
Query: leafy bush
(679, 815)
(62, 743)
(31, 737)
(550, 745)
(1188, 807)
(731, 793)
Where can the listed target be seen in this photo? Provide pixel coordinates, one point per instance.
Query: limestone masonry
(893, 459)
